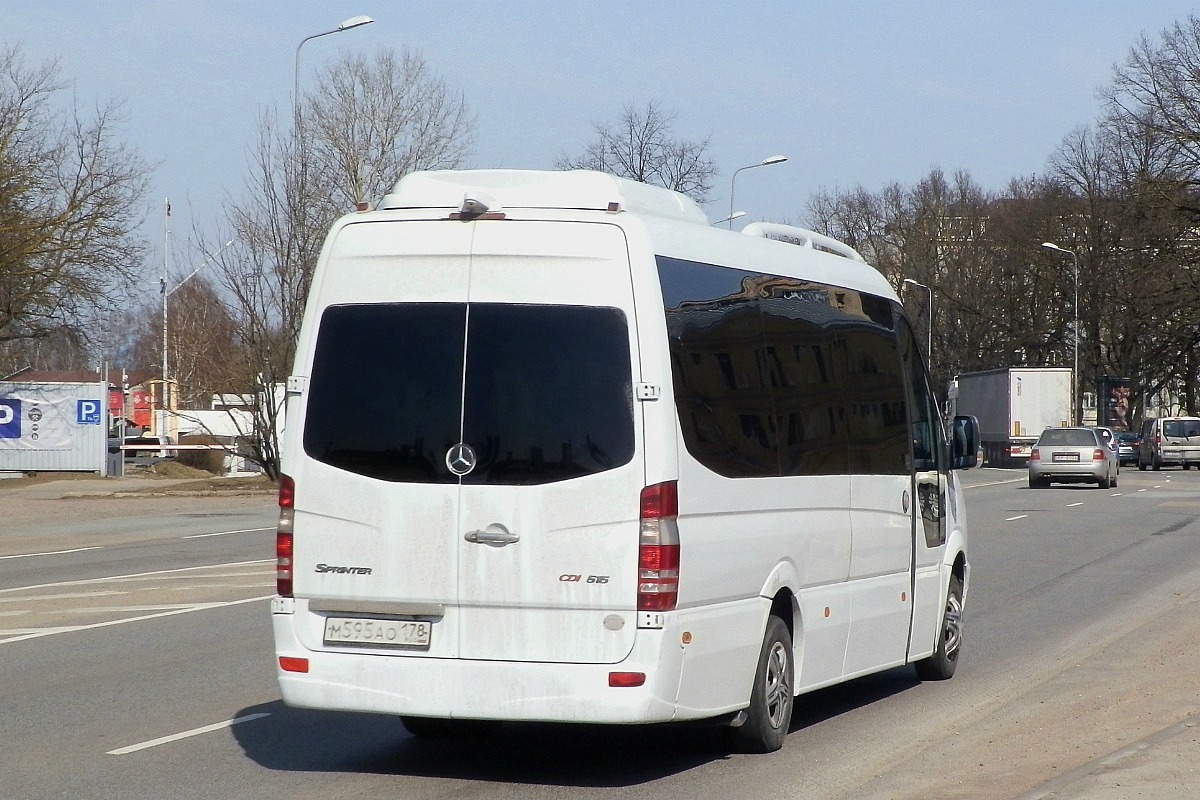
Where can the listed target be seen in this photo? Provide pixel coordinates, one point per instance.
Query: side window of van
(722, 370)
(780, 376)
(928, 439)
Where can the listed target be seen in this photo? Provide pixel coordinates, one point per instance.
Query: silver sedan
(1072, 455)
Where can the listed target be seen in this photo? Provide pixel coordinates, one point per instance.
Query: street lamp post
(929, 334)
(1074, 332)
(731, 217)
(766, 162)
(353, 22)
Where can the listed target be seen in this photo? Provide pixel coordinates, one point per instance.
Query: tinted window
(382, 394)
(548, 391)
(928, 436)
(721, 369)
(780, 376)
(874, 389)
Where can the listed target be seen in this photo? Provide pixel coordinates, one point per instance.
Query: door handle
(495, 534)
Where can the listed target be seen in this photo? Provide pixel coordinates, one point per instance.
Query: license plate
(403, 633)
(1066, 457)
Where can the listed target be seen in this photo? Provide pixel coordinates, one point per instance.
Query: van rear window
(1181, 428)
(540, 393)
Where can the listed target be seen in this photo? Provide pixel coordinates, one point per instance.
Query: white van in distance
(559, 450)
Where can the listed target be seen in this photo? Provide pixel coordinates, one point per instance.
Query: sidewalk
(82, 487)
(1163, 766)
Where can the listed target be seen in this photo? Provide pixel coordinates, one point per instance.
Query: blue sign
(87, 412)
(10, 418)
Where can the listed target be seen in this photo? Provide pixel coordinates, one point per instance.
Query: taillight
(283, 536)
(1098, 454)
(658, 548)
(1034, 455)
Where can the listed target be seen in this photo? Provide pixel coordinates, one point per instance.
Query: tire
(941, 665)
(1103, 483)
(438, 728)
(1156, 464)
(1115, 478)
(771, 697)
(1141, 466)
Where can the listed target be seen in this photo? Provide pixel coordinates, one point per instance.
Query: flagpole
(163, 287)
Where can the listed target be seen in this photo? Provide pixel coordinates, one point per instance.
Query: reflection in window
(779, 376)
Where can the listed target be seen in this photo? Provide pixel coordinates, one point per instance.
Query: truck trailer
(1013, 406)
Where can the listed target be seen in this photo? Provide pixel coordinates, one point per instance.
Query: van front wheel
(771, 698)
(941, 665)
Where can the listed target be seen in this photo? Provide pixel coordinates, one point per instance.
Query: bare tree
(201, 341)
(642, 146)
(366, 124)
(69, 194)
(374, 120)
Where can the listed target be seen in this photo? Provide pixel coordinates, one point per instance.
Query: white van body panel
(533, 628)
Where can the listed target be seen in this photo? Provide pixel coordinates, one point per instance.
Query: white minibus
(560, 450)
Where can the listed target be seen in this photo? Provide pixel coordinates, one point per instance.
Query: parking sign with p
(87, 412)
(10, 418)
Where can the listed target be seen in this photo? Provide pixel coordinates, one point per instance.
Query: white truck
(1013, 406)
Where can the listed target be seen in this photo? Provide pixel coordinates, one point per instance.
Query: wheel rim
(952, 634)
(778, 690)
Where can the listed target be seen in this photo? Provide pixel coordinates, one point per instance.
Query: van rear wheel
(772, 696)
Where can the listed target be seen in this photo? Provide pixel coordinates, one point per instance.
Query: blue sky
(854, 93)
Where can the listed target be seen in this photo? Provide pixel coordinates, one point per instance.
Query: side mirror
(964, 443)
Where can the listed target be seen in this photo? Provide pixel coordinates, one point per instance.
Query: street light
(353, 22)
(1074, 332)
(167, 293)
(730, 218)
(766, 162)
(929, 339)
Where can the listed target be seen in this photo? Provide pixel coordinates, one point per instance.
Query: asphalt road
(136, 657)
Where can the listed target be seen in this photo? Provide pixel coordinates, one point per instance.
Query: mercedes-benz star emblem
(460, 459)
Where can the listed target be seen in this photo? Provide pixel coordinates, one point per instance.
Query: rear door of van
(1181, 440)
(472, 444)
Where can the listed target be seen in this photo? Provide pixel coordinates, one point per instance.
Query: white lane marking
(98, 547)
(226, 533)
(72, 628)
(133, 748)
(991, 483)
(67, 596)
(1141, 490)
(1072, 505)
(1019, 516)
(50, 553)
(135, 575)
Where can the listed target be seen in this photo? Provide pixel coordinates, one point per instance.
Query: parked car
(1072, 455)
(1109, 438)
(1127, 447)
(1170, 440)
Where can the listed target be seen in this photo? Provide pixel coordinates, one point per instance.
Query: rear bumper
(503, 690)
(1175, 455)
(1069, 473)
